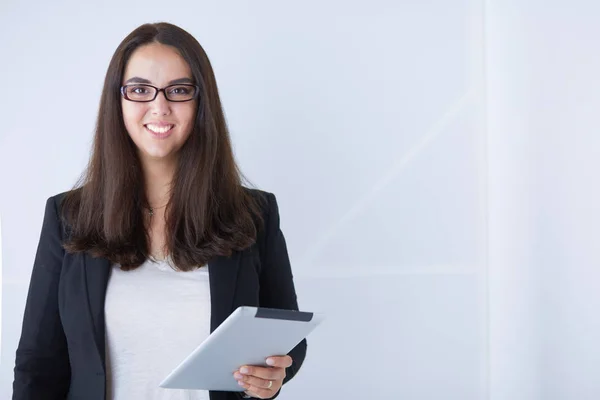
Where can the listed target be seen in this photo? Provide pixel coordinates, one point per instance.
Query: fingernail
(241, 383)
(244, 370)
(270, 361)
(237, 375)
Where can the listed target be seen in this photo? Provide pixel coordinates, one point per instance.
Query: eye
(180, 90)
(138, 90)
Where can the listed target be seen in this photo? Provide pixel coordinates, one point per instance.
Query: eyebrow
(137, 79)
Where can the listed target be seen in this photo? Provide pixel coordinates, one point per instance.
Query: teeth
(159, 129)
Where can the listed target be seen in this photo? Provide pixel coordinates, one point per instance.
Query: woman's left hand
(263, 382)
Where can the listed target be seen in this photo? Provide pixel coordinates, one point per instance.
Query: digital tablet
(247, 337)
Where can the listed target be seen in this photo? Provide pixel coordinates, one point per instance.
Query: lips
(160, 131)
(159, 128)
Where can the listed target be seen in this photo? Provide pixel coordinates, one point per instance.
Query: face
(158, 128)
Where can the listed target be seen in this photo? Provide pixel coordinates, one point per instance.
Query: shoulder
(57, 202)
(269, 226)
(265, 200)
(257, 193)
(59, 198)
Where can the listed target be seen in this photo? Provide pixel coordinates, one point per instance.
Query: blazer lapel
(222, 275)
(97, 271)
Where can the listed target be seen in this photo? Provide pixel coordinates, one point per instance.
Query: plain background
(436, 165)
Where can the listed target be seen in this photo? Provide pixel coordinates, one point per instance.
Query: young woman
(156, 245)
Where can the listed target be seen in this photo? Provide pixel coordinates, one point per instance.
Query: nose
(160, 105)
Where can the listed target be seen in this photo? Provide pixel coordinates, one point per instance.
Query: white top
(155, 316)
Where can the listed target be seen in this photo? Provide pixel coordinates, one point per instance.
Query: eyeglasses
(145, 93)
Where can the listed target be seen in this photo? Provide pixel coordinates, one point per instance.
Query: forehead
(158, 63)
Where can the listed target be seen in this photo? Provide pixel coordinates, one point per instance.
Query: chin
(153, 154)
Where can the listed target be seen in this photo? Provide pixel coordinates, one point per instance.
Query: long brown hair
(209, 212)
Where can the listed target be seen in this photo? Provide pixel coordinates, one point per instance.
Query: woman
(157, 244)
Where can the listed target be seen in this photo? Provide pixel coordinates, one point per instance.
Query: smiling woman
(156, 245)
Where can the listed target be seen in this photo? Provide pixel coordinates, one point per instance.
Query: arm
(42, 369)
(276, 280)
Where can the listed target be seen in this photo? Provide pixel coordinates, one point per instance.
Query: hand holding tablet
(247, 338)
(261, 382)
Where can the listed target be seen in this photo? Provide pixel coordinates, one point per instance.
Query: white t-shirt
(155, 316)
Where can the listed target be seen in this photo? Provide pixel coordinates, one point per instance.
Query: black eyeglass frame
(158, 90)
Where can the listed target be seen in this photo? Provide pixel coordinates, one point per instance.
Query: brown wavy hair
(209, 212)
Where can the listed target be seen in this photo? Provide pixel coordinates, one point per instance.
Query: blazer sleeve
(276, 279)
(42, 370)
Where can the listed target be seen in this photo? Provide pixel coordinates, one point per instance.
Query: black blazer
(61, 350)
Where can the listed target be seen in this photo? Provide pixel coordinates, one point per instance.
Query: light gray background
(435, 163)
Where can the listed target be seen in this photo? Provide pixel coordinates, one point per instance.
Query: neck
(158, 175)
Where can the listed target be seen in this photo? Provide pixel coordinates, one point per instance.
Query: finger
(264, 373)
(260, 392)
(254, 395)
(280, 361)
(260, 382)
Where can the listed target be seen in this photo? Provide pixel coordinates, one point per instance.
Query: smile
(160, 132)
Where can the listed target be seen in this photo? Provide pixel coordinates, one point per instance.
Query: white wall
(398, 184)
(544, 146)
(514, 321)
